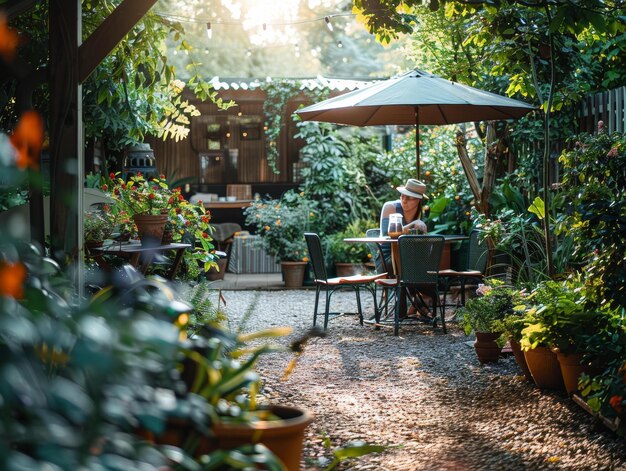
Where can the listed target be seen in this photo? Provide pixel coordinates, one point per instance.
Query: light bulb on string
(329, 25)
(248, 53)
(209, 31)
(339, 44)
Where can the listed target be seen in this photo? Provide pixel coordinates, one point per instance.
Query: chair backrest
(420, 256)
(477, 252)
(317, 255)
(374, 248)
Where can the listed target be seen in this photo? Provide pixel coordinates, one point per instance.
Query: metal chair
(330, 285)
(388, 283)
(476, 264)
(419, 258)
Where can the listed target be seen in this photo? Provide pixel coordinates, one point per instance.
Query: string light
(209, 31)
(329, 25)
(339, 44)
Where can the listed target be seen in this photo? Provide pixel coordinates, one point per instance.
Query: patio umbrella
(415, 98)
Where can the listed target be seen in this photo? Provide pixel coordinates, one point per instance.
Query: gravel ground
(424, 394)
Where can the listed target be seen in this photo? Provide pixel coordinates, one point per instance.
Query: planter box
(612, 424)
(248, 256)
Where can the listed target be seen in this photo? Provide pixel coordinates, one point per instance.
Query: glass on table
(395, 225)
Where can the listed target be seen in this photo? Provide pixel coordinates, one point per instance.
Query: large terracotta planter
(283, 436)
(544, 368)
(150, 228)
(293, 273)
(487, 349)
(520, 359)
(571, 369)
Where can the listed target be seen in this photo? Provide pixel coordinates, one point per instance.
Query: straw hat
(413, 188)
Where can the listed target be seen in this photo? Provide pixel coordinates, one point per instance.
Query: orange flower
(12, 276)
(27, 139)
(8, 40)
(616, 403)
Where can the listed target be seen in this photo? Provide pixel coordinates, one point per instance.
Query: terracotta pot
(486, 347)
(293, 273)
(347, 269)
(283, 436)
(571, 368)
(213, 274)
(150, 227)
(544, 368)
(520, 359)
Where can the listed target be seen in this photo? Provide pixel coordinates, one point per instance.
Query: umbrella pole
(417, 141)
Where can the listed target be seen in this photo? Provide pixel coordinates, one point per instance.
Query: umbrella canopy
(416, 97)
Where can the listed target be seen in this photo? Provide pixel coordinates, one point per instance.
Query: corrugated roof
(319, 82)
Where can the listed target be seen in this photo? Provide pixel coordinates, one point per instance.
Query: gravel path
(423, 393)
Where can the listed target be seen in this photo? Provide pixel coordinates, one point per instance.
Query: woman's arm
(418, 224)
(388, 208)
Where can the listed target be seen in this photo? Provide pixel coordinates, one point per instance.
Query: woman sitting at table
(409, 206)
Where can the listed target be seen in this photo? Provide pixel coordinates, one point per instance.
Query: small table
(445, 255)
(139, 256)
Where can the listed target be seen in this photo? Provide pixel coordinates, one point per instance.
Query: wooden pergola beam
(110, 32)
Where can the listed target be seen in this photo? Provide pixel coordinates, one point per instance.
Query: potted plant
(512, 326)
(281, 224)
(146, 202)
(97, 226)
(562, 319)
(349, 259)
(482, 315)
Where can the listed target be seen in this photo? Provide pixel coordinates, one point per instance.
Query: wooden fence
(609, 107)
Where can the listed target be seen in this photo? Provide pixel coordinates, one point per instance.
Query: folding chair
(476, 263)
(330, 285)
(419, 257)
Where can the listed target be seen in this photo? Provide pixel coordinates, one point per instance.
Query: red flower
(178, 210)
(187, 223)
(139, 174)
(151, 196)
(171, 200)
(9, 39)
(111, 175)
(181, 198)
(616, 403)
(105, 187)
(12, 276)
(162, 177)
(27, 138)
(205, 235)
(123, 186)
(205, 219)
(117, 191)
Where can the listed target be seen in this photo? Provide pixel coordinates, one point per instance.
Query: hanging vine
(279, 92)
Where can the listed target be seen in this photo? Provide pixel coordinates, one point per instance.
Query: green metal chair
(387, 283)
(419, 258)
(475, 272)
(330, 285)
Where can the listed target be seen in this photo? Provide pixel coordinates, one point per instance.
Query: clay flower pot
(544, 368)
(487, 349)
(293, 273)
(520, 359)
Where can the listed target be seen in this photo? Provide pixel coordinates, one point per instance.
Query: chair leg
(327, 310)
(358, 304)
(442, 311)
(317, 298)
(396, 313)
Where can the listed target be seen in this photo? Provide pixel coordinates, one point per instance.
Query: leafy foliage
(594, 180)
(282, 224)
(494, 302)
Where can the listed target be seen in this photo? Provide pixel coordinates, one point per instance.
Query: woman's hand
(418, 224)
